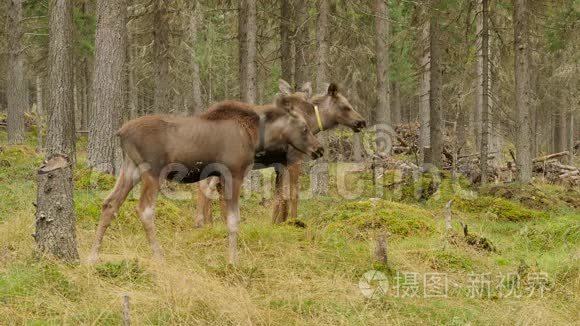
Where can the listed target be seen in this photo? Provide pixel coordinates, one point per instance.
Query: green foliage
(497, 208)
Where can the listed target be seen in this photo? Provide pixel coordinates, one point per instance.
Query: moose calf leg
(281, 194)
(125, 182)
(203, 208)
(233, 221)
(294, 172)
(146, 211)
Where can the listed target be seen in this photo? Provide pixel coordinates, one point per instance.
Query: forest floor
(519, 265)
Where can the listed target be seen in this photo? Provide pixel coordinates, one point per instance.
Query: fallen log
(550, 156)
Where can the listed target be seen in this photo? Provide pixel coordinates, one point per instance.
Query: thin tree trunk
(563, 130)
(39, 113)
(383, 113)
(15, 81)
(162, 96)
(424, 90)
(55, 220)
(321, 185)
(396, 104)
(194, 21)
(247, 38)
(131, 75)
(86, 95)
(484, 91)
(61, 127)
(286, 56)
(322, 41)
(108, 100)
(523, 91)
(436, 114)
(302, 56)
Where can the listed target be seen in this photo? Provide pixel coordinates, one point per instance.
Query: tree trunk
(61, 128)
(302, 56)
(15, 82)
(478, 104)
(396, 104)
(108, 102)
(322, 41)
(484, 88)
(39, 113)
(383, 113)
(562, 131)
(85, 82)
(55, 218)
(286, 57)
(247, 40)
(424, 89)
(131, 78)
(321, 181)
(162, 96)
(435, 112)
(194, 20)
(523, 92)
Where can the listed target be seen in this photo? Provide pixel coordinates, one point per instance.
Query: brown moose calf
(220, 143)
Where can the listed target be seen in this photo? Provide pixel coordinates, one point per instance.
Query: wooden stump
(381, 249)
(55, 218)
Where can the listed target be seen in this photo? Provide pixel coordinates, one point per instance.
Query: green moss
(447, 260)
(537, 196)
(86, 178)
(380, 215)
(497, 208)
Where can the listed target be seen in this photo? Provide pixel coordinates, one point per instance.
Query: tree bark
(162, 96)
(286, 57)
(15, 81)
(523, 90)
(396, 104)
(55, 218)
(321, 181)
(194, 21)
(424, 89)
(247, 38)
(435, 112)
(302, 55)
(322, 41)
(484, 88)
(383, 113)
(39, 113)
(61, 128)
(108, 102)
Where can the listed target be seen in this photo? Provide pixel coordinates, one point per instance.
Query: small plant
(123, 271)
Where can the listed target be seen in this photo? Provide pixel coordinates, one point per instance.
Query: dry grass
(287, 275)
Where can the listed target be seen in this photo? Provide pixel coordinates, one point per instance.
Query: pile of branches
(30, 119)
(553, 171)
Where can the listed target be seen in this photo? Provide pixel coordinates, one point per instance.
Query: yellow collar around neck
(318, 120)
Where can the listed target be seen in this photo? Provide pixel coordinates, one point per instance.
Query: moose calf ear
(307, 89)
(284, 87)
(283, 102)
(332, 89)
